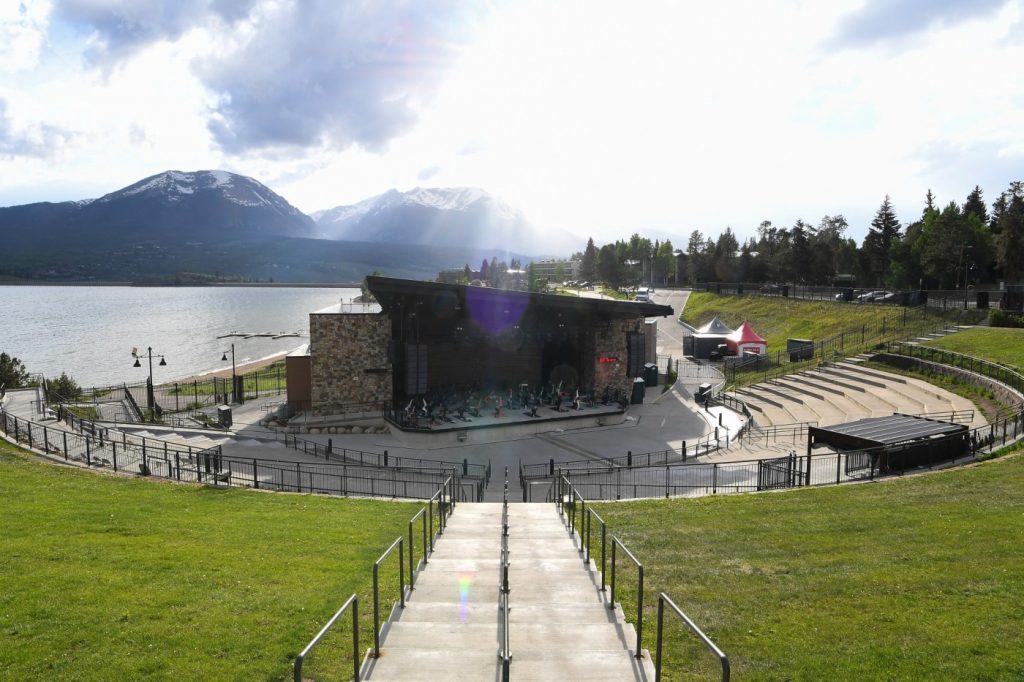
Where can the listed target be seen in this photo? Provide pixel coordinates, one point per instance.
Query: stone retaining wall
(349, 360)
(1001, 391)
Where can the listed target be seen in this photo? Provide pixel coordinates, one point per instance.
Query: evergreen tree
(878, 242)
(588, 264)
(975, 205)
(608, 267)
(1010, 242)
(485, 269)
(929, 201)
(12, 372)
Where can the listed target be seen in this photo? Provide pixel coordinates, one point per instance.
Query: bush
(63, 389)
(999, 318)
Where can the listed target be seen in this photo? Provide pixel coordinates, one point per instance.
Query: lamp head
(163, 363)
(224, 357)
(137, 363)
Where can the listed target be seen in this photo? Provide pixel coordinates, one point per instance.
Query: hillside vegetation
(777, 319)
(106, 577)
(998, 344)
(917, 578)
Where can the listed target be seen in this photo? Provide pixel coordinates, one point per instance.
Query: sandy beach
(239, 369)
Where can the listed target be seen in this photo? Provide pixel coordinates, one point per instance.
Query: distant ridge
(452, 216)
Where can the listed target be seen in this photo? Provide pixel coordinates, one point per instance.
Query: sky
(596, 117)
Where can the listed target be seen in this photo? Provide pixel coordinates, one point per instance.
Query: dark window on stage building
(415, 368)
(635, 342)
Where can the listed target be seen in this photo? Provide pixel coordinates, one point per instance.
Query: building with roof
(424, 337)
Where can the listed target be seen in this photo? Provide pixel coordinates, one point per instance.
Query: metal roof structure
(398, 293)
(895, 429)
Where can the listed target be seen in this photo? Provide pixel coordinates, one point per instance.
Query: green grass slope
(998, 344)
(778, 319)
(918, 578)
(106, 578)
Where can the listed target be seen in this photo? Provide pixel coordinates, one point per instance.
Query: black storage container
(651, 374)
(637, 398)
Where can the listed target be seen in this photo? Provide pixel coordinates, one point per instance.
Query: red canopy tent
(745, 339)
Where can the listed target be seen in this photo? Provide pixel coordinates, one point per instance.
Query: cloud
(954, 169)
(40, 140)
(888, 21)
(22, 28)
(427, 173)
(291, 75)
(329, 73)
(122, 29)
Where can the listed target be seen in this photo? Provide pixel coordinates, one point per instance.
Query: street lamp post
(150, 399)
(234, 378)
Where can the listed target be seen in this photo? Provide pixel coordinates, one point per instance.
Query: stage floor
(518, 422)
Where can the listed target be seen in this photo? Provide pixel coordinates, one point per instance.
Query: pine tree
(877, 244)
(975, 205)
(588, 265)
(1010, 242)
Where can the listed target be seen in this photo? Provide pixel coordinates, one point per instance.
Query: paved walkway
(560, 626)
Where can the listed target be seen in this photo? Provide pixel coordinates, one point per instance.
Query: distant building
(557, 270)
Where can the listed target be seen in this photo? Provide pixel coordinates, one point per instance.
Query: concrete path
(449, 629)
(560, 626)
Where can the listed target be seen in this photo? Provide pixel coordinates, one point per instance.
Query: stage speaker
(415, 368)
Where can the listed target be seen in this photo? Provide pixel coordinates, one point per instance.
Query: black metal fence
(191, 396)
(699, 479)
(98, 447)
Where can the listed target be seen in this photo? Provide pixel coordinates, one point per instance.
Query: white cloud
(22, 31)
(589, 116)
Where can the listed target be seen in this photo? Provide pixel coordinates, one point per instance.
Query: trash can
(703, 391)
(651, 374)
(224, 416)
(637, 397)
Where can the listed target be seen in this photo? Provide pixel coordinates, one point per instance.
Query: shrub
(1000, 318)
(63, 389)
(12, 372)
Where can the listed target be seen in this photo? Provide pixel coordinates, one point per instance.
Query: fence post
(65, 434)
(255, 478)
(88, 451)
(113, 447)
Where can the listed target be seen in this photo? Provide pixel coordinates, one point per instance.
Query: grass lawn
(107, 577)
(997, 344)
(918, 578)
(779, 319)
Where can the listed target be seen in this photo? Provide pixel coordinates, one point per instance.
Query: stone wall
(349, 360)
(609, 341)
(1001, 391)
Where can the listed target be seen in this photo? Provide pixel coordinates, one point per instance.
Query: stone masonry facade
(610, 341)
(350, 364)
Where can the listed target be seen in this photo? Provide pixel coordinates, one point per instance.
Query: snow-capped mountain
(455, 216)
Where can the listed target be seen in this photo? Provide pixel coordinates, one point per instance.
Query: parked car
(873, 296)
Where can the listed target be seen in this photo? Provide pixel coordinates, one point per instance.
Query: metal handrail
(412, 546)
(352, 601)
(723, 659)
(506, 647)
(376, 589)
(639, 592)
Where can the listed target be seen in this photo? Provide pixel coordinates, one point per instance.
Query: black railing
(1004, 374)
(567, 500)
(376, 589)
(98, 447)
(639, 592)
(352, 602)
(506, 647)
(722, 658)
(381, 459)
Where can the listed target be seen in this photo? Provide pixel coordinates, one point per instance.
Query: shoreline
(240, 369)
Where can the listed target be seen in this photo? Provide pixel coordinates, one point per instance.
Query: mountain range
(230, 225)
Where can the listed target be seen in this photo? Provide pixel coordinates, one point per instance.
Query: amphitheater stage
(511, 424)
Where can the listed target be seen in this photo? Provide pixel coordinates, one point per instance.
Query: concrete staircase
(560, 625)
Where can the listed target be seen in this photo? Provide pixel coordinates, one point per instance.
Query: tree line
(946, 247)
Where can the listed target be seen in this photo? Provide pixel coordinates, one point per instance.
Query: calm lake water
(89, 332)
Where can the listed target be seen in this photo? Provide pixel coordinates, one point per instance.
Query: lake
(89, 332)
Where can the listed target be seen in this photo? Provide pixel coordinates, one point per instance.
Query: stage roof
(879, 431)
(392, 293)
